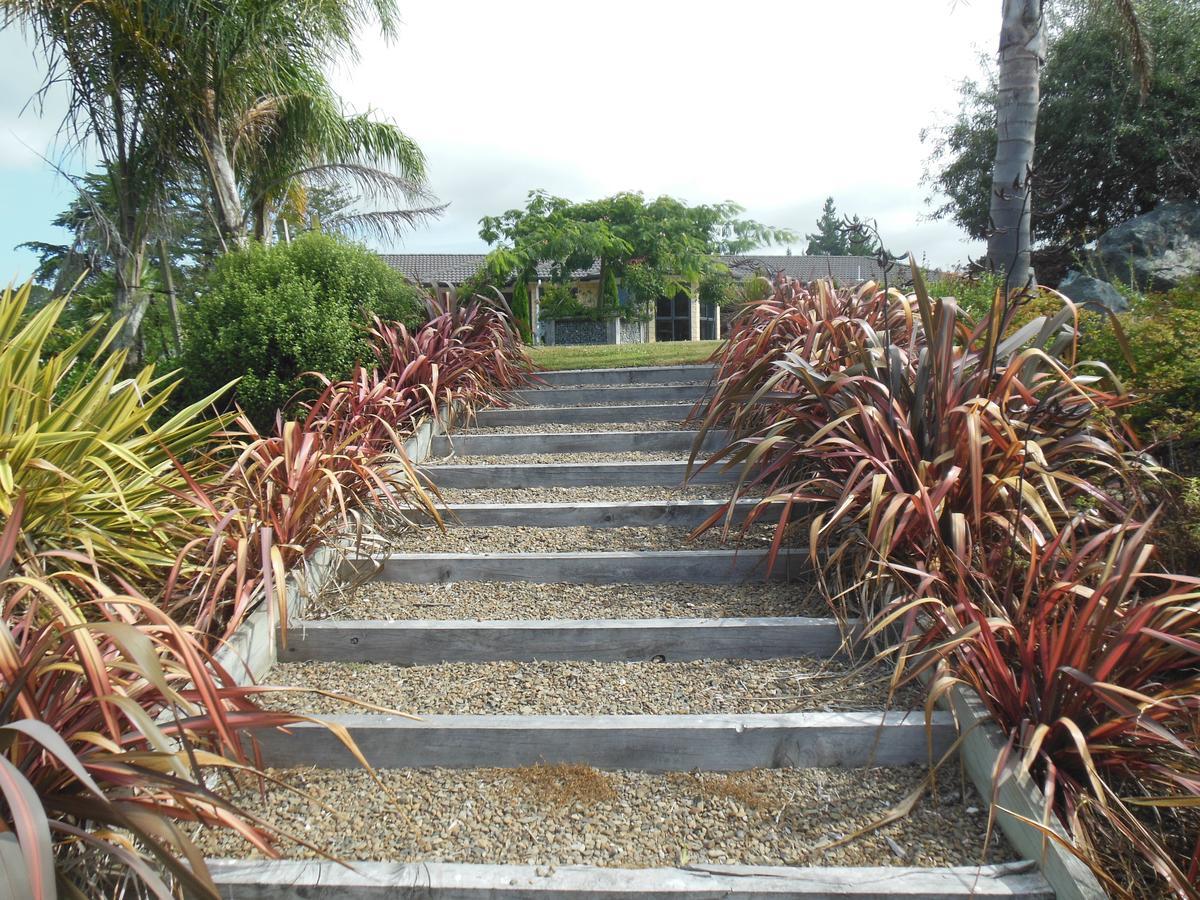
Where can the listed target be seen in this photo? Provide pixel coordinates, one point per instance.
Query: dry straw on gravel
(761, 817)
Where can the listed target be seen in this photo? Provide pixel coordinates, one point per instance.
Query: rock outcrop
(1089, 291)
(1157, 250)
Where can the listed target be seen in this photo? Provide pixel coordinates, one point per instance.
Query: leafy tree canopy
(1104, 152)
(661, 244)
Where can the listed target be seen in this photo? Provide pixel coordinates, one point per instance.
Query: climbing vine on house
(651, 248)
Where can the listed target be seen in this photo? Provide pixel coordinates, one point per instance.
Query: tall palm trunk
(231, 218)
(1022, 51)
(130, 299)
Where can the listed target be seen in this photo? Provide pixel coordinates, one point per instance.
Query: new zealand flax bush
(966, 485)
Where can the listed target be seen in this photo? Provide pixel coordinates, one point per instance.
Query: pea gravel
(577, 539)
(392, 601)
(586, 688)
(573, 815)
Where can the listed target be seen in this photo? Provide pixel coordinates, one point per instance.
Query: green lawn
(611, 356)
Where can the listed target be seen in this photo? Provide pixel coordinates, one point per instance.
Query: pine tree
(861, 241)
(830, 239)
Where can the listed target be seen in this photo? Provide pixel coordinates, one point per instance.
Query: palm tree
(311, 144)
(248, 77)
(1022, 52)
(116, 110)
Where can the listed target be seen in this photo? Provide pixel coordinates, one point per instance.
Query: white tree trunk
(1022, 51)
(231, 217)
(129, 300)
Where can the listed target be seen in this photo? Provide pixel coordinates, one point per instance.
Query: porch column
(717, 321)
(535, 301)
(695, 312)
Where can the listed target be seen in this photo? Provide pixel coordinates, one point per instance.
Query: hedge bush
(1163, 332)
(271, 314)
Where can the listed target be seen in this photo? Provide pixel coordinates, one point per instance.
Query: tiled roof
(842, 269)
(427, 268)
(455, 268)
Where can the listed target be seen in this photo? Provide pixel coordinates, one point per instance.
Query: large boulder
(1158, 249)
(1089, 291)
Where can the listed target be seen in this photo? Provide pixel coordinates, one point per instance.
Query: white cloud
(773, 104)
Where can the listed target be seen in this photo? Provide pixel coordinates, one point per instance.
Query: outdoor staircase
(647, 743)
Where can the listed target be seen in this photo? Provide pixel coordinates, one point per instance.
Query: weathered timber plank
(665, 473)
(632, 393)
(426, 642)
(539, 415)
(575, 442)
(679, 513)
(634, 375)
(650, 567)
(715, 743)
(322, 880)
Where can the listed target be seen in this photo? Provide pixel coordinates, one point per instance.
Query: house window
(708, 321)
(673, 318)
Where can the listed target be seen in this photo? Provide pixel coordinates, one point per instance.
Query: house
(678, 318)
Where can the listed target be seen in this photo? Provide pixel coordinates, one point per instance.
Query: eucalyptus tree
(1021, 54)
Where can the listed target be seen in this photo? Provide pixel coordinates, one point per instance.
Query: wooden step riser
(635, 393)
(429, 642)
(681, 514)
(711, 743)
(573, 415)
(578, 442)
(533, 475)
(641, 375)
(320, 880)
(692, 566)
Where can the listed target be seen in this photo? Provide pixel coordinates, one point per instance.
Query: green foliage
(974, 292)
(272, 315)
(719, 287)
(608, 290)
(837, 236)
(1162, 333)
(559, 302)
(1104, 153)
(829, 239)
(671, 243)
(521, 311)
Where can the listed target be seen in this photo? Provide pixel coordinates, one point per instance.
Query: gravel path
(392, 601)
(679, 456)
(586, 494)
(587, 688)
(578, 539)
(574, 815)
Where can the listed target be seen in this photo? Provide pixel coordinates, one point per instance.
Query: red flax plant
(466, 356)
(280, 497)
(116, 726)
(950, 444)
(1088, 657)
(826, 327)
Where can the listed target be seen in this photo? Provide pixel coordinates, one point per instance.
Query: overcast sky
(774, 105)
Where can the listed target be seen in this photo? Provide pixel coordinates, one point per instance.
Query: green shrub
(1163, 332)
(269, 315)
